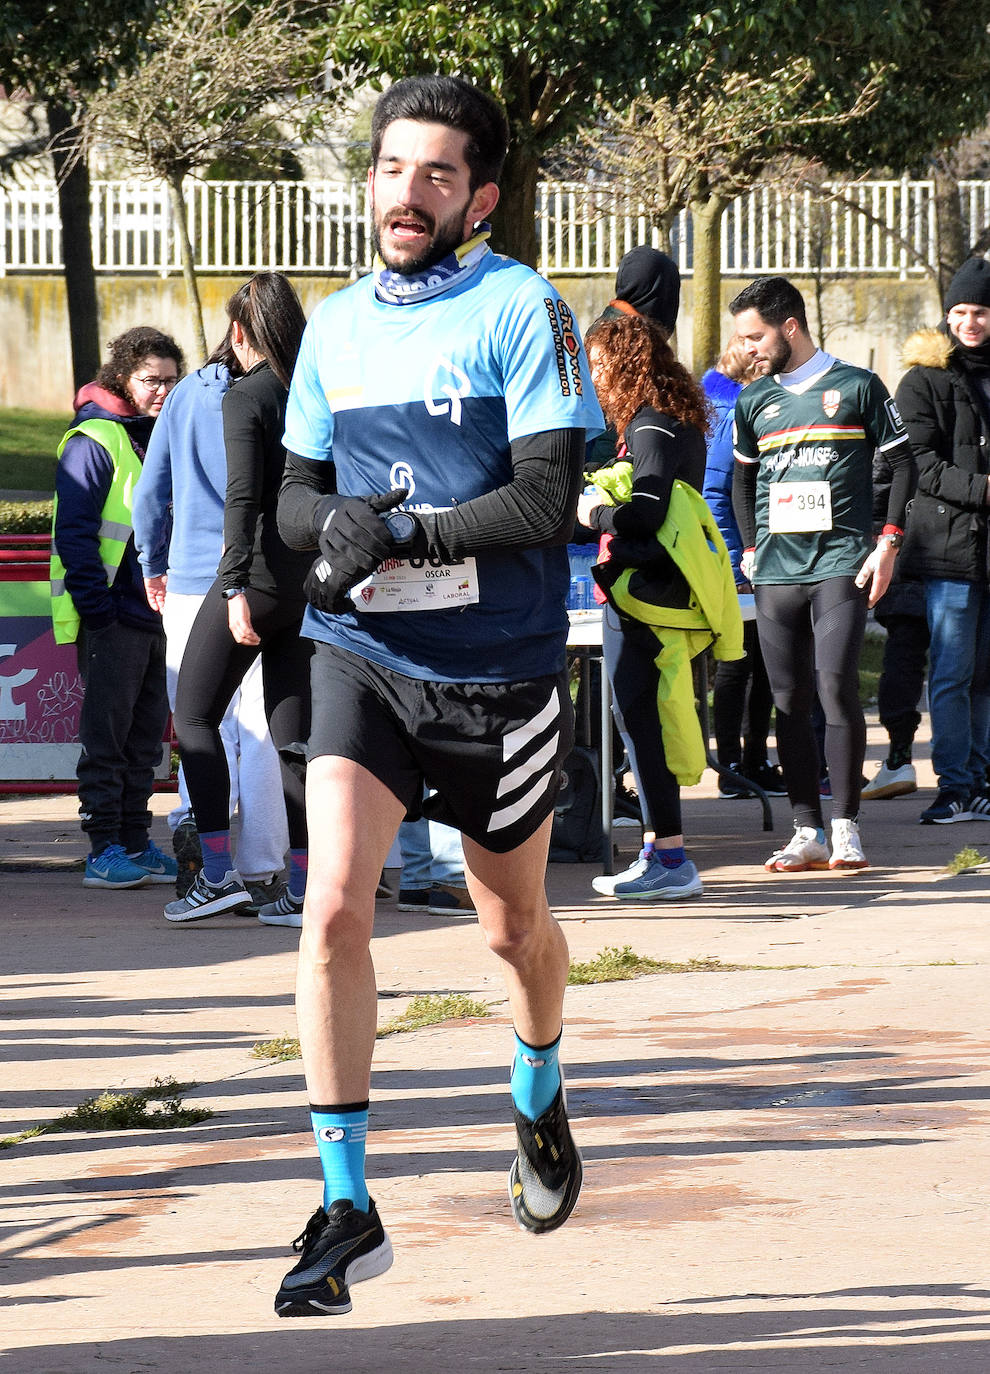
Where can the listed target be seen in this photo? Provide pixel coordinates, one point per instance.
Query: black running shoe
(337, 1248)
(545, 1177)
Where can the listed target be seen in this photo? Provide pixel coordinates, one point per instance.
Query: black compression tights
(213, 666)
(814, 631)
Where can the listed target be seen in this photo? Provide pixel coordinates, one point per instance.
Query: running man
(451, 383)
(805, 438)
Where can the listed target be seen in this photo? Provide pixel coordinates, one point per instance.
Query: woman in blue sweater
(178, 530)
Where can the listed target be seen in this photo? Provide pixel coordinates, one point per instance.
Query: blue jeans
(431, 853)
(959, 682)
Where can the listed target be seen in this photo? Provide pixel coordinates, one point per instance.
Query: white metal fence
(321, 226)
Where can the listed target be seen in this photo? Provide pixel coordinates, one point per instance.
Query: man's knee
(337, 917)
(515, 936)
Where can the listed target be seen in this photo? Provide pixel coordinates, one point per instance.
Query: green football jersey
(814, 489)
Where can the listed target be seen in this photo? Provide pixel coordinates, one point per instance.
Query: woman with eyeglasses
(98, 602)
(254, 608)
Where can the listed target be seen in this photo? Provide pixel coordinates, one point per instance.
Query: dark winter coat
(946, 533)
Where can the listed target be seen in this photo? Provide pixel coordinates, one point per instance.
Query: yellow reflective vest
(115, 520)
(709, 613)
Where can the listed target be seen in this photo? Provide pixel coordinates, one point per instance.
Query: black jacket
(946, 533)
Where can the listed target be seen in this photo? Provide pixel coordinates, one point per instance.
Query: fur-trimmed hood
(927, 348)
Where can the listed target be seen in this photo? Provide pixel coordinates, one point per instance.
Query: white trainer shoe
(605, 884)
(891, 782)
(847, 851)
(803, 850)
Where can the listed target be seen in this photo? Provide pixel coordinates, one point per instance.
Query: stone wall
(866, 319)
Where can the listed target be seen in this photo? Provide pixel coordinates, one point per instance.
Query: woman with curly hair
(661, 414)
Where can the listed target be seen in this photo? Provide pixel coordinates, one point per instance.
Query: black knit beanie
(649, 281)
(970, 285)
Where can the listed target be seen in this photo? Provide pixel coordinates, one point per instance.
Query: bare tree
(220, 75)
(724, 134)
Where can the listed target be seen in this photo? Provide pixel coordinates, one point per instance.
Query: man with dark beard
(436, 429)
(805, 437)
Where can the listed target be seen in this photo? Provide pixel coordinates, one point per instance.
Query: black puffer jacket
(946, 533)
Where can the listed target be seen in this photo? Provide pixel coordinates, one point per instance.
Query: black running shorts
(492, 750)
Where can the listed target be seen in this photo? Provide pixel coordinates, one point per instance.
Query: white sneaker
(605, 884)
(803, 850)
(286, 911)
(891, 782)
(847, 851)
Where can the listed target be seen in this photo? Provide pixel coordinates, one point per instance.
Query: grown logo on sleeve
(558, 345)
(571, 346)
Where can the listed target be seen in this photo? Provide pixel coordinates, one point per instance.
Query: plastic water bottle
(582, 593)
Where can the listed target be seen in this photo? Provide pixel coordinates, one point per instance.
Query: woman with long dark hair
(661, 415)
(254, 607)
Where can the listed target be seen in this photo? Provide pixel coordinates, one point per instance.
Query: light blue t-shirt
(429, 396)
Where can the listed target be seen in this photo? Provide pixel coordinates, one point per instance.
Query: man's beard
(446, 237)
(777, 361)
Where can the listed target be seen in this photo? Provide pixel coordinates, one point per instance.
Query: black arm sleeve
(903, 480)
(534, 510)
(744, 501)
(304, 485)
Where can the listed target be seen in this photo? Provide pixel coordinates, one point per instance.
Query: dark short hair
(129, 350)
(451, 101)
(774, 299)
(271, 316)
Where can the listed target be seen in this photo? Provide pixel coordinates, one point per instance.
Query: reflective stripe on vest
(115, 520)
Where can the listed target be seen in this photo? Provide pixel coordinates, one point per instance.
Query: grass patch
(432, 1009)
(28, 441)
(613, 965)
(281, 1048)
(123, 1111)
(428, 1009)
(967, 857)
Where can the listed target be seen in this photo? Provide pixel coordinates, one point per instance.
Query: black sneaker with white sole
(545, 1177)
(337, 1248)
(208, 899)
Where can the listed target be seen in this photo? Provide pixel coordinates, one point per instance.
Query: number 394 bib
(800, 507)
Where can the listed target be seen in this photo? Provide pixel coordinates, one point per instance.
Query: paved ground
(787, 1163)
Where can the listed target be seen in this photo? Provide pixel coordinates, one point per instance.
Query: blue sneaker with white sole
(158, 866)
(660, 884)
(112, 868)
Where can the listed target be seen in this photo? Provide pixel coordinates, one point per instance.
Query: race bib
(800, 507)
(416, 585)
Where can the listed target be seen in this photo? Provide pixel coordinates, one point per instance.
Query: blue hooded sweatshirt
(178, 502)
(717, 490)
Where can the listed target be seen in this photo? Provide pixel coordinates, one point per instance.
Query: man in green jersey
(805, 437)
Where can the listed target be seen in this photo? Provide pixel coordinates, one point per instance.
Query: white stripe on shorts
(517, 739)
(519, 775)
(509, 814)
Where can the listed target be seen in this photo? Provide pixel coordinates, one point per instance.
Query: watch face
(401, 526)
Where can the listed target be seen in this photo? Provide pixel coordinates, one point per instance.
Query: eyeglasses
(157, 383)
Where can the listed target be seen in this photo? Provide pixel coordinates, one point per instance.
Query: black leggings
(213, 667)
(741, 705)
(630, 650)
(807, 630)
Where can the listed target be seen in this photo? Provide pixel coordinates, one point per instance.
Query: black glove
(354, 539)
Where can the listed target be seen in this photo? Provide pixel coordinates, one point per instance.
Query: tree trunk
(72, 179)
(178, 202)
(706, 221)
(950, 235)
(514, 220)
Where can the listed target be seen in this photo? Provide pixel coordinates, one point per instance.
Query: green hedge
(25, 517)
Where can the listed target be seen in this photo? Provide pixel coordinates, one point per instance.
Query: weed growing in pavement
(612, 965)
(431, 1009)
(426, 1009)
(123, 1111)
(967, 857)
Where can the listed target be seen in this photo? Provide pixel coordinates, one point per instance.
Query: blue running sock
(298, 868)
(672, 858)
(340, 1137)
(217, 860)
(535, 1077)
